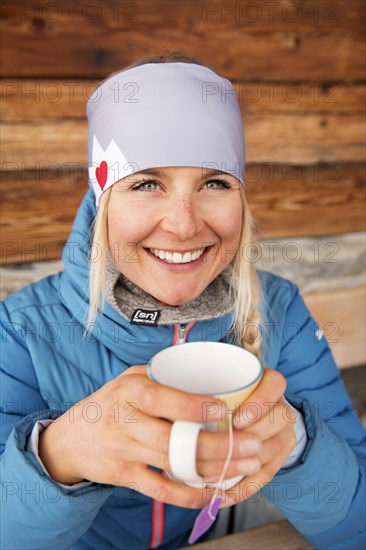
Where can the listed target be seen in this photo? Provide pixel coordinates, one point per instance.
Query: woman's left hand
(267, 415)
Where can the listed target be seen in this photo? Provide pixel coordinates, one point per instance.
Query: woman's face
(172, 231)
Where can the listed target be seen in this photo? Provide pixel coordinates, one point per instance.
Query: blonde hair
(244, 284)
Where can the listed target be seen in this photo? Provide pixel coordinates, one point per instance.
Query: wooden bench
(275, 536)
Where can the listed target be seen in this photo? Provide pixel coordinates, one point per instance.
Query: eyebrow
(162, 174)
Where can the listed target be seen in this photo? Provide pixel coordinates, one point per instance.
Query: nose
(182, 217)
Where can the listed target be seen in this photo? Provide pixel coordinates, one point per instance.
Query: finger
(216, 445)
(162, 401)
(138, 453)
(264, 397)
(246, 488)
(149, 431)
(278, 418)
(211, 470)
(135, 369)
(284, 441)
(158, 487)
(154, 433)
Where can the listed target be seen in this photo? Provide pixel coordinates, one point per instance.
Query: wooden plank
(316, 41)
(289, 200)
(286, 201)
(38, 144)
(342, 14)
(305, 138)
(341, 317)
(275, 536)
(27, 100)
(36, 219)
(300, 138)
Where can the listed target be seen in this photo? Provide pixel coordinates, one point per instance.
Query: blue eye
(150, 185)
(145, 185)
(220, 184)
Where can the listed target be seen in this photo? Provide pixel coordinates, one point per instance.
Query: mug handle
(182, 452)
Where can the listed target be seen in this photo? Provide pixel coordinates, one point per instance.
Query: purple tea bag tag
(204, 520)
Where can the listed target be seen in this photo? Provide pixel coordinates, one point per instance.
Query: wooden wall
(299, 71)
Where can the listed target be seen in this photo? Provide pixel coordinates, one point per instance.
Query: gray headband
(163, 114)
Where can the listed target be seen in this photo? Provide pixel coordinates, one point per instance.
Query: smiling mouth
(173, 257)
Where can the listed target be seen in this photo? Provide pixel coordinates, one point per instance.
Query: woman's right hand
(111, 437)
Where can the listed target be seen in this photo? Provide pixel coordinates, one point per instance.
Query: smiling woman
(178, 217)
(168, 219)
(186, 211)
(179, 204)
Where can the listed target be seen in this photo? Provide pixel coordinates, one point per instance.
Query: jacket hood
(74, 284)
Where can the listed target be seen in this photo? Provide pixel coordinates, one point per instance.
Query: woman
(155, 258)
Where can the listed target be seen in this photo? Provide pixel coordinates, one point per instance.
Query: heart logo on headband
(101, 173)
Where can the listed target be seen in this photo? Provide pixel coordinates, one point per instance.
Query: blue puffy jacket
(46, 367)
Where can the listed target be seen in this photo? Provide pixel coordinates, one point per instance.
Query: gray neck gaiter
(125, 297)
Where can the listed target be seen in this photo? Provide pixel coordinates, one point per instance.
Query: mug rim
(236, 390)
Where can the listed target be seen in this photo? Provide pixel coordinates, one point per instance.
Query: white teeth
(186, 257)
(177, 257)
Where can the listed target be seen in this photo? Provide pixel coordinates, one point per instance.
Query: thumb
(136, 369)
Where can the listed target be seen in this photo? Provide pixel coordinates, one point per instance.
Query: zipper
(181, 331)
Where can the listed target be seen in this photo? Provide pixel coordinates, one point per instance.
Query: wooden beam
(301, 138)
(276, 536)
(286, 200)
(341, 317)
(289, 200)
(316, 41)
(25, 100)
(36, 218)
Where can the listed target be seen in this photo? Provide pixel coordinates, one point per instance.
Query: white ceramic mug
(214, 369)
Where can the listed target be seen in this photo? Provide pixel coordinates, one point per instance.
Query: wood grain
(275, 536)
(323, 41)
(27, 100)
(291, 200)
(37, 216)
(341, 316)
(300, 138)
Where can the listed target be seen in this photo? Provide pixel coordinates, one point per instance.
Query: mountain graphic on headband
(107, 166)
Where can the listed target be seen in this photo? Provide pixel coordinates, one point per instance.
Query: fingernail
(248, 416)
(248, 467)
(250, 446)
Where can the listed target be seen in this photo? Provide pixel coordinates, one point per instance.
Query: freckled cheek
(228, 225)
(126, 229)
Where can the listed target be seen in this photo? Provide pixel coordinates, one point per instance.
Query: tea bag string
(226, 465)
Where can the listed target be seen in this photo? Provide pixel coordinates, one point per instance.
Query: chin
(178, 301)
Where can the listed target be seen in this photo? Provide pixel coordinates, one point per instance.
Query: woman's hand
(268, 416)
(113, 435)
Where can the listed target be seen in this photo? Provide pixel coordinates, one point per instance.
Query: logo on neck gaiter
(147, 317)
